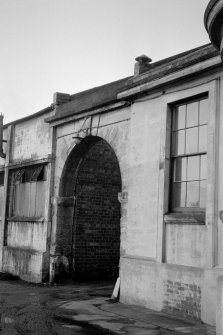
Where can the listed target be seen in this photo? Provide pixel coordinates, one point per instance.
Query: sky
(69, 46)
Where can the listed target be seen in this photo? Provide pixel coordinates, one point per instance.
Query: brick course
(183, 299)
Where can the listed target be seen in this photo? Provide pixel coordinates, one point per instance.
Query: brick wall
(97, 213)
(183, 299)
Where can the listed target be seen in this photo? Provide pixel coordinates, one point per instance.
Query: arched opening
(89, 210)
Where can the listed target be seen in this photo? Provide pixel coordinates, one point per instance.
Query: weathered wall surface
(29, 235)
(25, 263)
(164, 287)
(113, 127)
(185, 290)
(165, 265)
(185, 245)
(144, 155)
(170, 266)
(31, 139)
(25, 244)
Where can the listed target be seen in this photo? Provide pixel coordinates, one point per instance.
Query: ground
(82, 309)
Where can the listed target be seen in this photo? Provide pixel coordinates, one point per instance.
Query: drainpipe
(2, 154)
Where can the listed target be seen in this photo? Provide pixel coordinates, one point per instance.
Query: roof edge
(28, 117)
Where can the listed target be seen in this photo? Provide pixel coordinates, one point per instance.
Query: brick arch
(89, 210)
(70, 170)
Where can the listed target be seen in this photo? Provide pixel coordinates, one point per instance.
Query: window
(30, 174)
(189, 155)
(28, 191)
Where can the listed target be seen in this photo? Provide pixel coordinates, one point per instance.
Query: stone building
(124, 179)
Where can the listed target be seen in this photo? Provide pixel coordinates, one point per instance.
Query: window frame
(209, 218)
(173, 157)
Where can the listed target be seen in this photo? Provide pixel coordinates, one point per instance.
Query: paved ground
(81, 309)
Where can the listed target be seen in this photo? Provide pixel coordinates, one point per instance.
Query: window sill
(25, 219)
(188, 218)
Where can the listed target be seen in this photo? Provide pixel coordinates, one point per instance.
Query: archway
(89, 225)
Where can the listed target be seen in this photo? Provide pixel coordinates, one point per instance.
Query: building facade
(123, 180)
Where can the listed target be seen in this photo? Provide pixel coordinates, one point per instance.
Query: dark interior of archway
(96, 245)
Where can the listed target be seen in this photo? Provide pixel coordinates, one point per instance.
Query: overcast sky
(68, 46)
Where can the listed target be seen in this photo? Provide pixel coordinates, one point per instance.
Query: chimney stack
(142, 65)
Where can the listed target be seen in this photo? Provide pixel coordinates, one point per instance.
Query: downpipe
(2, 154)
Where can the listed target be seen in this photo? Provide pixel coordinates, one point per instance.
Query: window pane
(180, 117)
(203, 111)
(18, 174)
(179, 142)
(192, 114)
(191, 140)
(203, 138)
(193, 194)
(37, 173)
(203, 174)
(180, 169)
(28, 174)
(193, 165)
(203, 193)
(179, 195)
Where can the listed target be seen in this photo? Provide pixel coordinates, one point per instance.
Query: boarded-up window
(1, 191)
(29, 186)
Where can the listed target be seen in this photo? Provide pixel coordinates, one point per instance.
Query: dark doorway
(97, 213)
(92, 176)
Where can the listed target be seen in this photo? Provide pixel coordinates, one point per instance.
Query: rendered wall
(27, 234)
(31, 140)
(142, 207)
(170, 266)
(162, 287)
(185, 245)
(25, 263)
(25, 244)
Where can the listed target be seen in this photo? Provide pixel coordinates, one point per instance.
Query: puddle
(69, 295)
(80, 328)
(100, 293)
